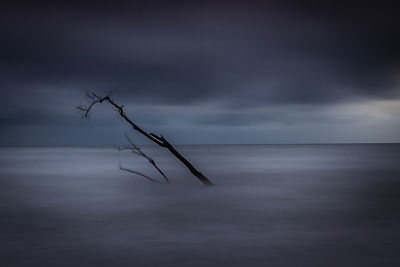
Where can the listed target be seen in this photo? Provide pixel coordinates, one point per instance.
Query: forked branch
(137, 150)
(159, 140)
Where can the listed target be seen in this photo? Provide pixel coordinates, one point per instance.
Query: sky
(201, 72)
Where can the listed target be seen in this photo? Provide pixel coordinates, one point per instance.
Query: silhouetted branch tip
(92, 100)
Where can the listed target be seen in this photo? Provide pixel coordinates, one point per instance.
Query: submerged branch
(139, 173)
(159, 140)
(137, 150)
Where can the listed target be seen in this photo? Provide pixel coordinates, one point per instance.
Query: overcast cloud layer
(202, 72)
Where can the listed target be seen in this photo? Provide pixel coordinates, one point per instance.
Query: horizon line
(241, 144)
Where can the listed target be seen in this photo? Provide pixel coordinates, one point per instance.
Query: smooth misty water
(302, 205)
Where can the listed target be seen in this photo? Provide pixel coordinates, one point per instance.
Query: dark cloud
(239, 54)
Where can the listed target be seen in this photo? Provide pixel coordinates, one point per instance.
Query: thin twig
(139, 173)
(137, 150)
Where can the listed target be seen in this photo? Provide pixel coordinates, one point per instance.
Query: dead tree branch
(159, 140)
(139, 173)
(139, 151)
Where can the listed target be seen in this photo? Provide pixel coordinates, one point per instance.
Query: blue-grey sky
(201, 72)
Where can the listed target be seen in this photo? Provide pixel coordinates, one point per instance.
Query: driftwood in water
(140, 174)
(158, 139)
(138, 151)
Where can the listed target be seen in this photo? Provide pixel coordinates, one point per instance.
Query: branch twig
(139, 173)
(137, 150)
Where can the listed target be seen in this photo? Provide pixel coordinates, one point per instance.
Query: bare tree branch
(159, 140)
(137, 150)
(92, 99)
(139, 173)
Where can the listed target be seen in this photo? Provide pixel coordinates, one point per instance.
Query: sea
(271, 205)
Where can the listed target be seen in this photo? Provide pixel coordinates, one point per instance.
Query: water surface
(277, 205)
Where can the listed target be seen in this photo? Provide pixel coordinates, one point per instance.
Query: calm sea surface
(273, 205)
